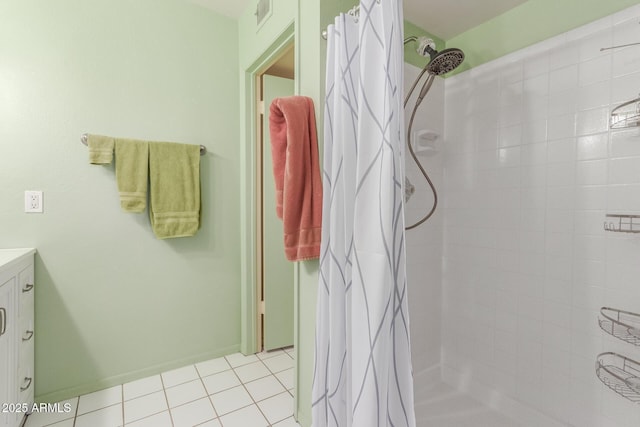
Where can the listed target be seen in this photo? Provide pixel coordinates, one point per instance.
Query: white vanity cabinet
(17, 288)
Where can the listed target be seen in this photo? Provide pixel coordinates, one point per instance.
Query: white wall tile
(534, 131)
(592, 121)
(594, 95)
(624, 88)
(508, 157)
(625, 142)
(593, 147)
(589, 222)
(510, 136)
(562, 103)
(625, 15)
(563, 79)
(536, 86)
(595, 70)
(563, 56)
(536, 65)
(624, 170)
(559, 243)
(561, 174)
(560, 198)
(590, 45)
(535, 108)
(561, 151)
(533, 176)
(592, 172)
(625, 31)
(534, 154)
(625, 61)
(537, 265)
(510, 115)
(590, 197)
(532, 219)
(511, 73)
(623, 198)
(531, 241)
(561, 127)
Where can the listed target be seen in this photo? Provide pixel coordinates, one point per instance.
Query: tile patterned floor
(231, 391)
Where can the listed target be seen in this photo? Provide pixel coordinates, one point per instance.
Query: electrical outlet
(33, 201)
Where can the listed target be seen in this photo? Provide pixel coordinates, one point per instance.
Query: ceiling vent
(263, 9)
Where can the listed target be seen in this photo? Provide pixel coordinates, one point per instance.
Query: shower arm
(415, 83)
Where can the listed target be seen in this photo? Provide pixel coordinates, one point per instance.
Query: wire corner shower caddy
(620, 374)
(626, 115)
(624, 325)
(622, 223)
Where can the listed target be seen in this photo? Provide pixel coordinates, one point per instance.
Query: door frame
(250, 267)
(275, 285)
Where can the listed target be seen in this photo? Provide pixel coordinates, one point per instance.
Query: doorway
(275, 275)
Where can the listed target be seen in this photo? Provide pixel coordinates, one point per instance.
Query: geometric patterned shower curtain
(362, 375)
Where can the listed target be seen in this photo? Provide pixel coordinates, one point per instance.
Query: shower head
(441, 62)
(444, 61)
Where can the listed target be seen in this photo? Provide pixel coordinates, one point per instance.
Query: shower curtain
(362, 374)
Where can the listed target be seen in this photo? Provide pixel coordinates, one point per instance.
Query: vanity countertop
(9, 256)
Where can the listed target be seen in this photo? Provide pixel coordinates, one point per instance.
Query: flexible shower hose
(413, 154)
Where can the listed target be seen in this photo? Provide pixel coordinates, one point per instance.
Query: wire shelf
(620, 374)
(626, 115)
(622, 223)
(623, 325)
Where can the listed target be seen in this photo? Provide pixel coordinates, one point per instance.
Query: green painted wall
(529, 23)
(113, 303)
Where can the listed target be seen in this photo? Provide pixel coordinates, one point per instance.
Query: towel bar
(83, 139)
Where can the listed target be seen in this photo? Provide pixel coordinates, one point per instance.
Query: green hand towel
(132, 171)
(100, 149)
(174, 174)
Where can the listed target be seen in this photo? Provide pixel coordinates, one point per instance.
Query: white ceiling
(442, 18)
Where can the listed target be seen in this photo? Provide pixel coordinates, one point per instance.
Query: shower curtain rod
(83, 139)
(354, 11)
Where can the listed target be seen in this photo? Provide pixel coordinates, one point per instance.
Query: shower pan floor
(441, 405)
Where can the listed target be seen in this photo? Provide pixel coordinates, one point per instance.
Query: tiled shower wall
(531, 170)
(424, 243)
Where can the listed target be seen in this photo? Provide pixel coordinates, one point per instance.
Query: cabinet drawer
(25, 378)
(26, 353)
(26, 286)
(26, 337)
(26, 319)
(26, 395)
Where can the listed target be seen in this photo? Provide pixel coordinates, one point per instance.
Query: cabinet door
(25, 336)
(7, 349)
